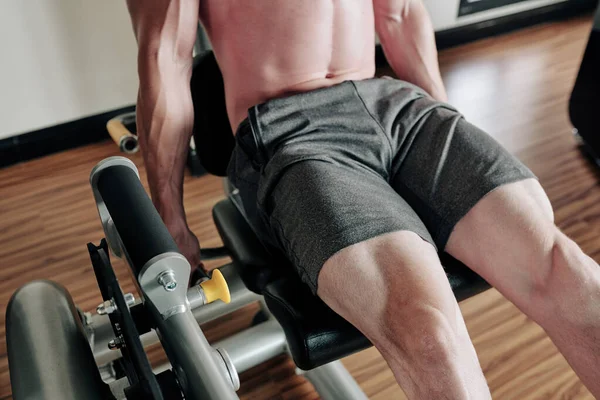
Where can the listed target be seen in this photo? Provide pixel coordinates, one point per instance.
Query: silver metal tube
(255, 345)
(193, 359)
(102, 331)
(333, 382)
(251, 347)
(196, 297)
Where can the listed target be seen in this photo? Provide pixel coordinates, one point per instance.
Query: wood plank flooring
(515, 87)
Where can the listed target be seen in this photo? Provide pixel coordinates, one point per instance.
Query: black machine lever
(143, 383)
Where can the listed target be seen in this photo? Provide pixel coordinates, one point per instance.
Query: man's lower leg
(432, 359)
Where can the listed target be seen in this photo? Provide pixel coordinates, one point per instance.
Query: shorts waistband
(282, 120)
(279, 120)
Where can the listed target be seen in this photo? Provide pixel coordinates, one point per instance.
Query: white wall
(61, 60)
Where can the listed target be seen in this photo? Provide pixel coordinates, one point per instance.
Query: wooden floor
(516, 87)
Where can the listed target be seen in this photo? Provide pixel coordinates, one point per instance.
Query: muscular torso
(273, 48)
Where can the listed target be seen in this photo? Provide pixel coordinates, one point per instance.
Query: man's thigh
(318, 208)
(480, 204)
(449, 166)
(508, 239)
(394, 290)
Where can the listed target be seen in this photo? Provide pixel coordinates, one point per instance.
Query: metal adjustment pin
(116, 343)
(129, 299)
(167, 280)
(108, 307)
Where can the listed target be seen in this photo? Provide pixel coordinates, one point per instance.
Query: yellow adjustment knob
(216, 288)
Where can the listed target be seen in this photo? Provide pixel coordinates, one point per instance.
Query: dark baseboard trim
(57, 138)
(469, 33)
(480, 30)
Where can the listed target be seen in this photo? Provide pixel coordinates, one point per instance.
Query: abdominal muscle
(274, 48)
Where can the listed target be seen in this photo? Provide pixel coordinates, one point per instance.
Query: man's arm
(166, 31)
(408, 41)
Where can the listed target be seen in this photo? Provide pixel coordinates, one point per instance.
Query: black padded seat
(315, 334)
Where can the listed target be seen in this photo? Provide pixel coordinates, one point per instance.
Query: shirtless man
(360, 181)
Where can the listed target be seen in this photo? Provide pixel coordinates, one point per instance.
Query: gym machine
(56, 351)
(585, 98)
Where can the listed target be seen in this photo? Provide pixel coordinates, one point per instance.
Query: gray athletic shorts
(322, 170)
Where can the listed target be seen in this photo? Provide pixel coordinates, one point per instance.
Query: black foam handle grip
(142, 231)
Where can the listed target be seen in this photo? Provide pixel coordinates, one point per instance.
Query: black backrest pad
(212, 131)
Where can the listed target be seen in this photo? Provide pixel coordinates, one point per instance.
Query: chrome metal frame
(333, 382)
(269, 334)
(100, 332)
(243, 350)
(204, 371)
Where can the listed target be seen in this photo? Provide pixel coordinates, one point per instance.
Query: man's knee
(556, 259)
(421, 335)
(568, 281)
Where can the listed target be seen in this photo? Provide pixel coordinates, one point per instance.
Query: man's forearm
(165, 31)
(165, 121)
(408, 40)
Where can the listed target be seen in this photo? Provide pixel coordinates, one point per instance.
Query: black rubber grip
(142, 231)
